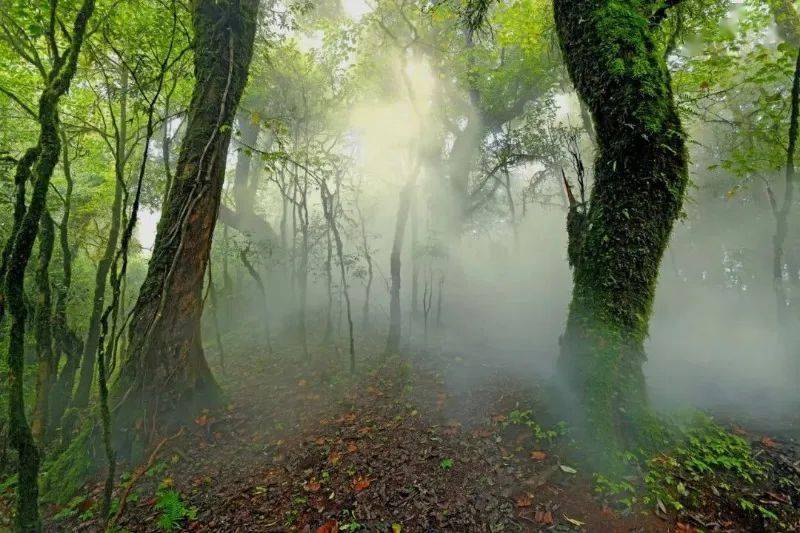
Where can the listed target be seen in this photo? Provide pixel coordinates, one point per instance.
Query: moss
(68, 472)
(619, 70)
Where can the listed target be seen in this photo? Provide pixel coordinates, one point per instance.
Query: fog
(505, 283)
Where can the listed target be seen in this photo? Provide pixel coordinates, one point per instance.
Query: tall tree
(40, 170)
(614, 56)
(164, 371)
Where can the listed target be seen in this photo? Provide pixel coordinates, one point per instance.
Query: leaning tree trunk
(165, 375)
(616, 246)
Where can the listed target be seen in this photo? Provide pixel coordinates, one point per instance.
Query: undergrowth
(707, 470)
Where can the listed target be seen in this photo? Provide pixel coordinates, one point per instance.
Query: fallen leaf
(312, 486)
(334, 458)
(680, 527)
(331, 526)
(768, 442)
(302, 383)
(396, 528)
(543, 517)
(360, 483)
(524, 500)
(201, 420)
(538, 455)
(352, 447)
(567, 469)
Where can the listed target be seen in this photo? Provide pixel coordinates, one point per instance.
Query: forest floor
(306, 446)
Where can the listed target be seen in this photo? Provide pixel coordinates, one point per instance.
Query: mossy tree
(164, 373)
(613, 51)
(37, 165)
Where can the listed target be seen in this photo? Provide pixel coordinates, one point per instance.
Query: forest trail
(308, 447)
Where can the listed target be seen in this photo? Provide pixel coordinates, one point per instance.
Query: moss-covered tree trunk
(164, 374)
(43, 330)
(47, 152)
(613, 55)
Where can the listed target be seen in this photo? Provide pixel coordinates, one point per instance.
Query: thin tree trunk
(43, 331)
(782, 213)
(328, 207)
(414, 258)
(370, 273)
(262, 289)
(104, 266)
(66, 341)
(217, 332)
(328, 279)
(395, 312)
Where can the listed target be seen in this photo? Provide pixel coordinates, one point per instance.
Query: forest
(399, 265)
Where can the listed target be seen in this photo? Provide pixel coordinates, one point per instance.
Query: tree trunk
(616, 246)
(48, 148)
(164, 376)
(43, 330)
(328, 201)
(66, 343)
(395, 313)
(101, 278)
(370, 272)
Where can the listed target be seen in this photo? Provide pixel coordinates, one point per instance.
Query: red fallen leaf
(312, 486)
(331, 526)
(524, 500)
(352, 447)
(499, 418)
(537, 455)
(364, 430)
(334, 458)
(768, 442)
(360, 483)
(482, 433)
(201, 420)
(544, 518)
(680, 527)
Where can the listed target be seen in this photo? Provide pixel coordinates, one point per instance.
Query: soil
(305, 446)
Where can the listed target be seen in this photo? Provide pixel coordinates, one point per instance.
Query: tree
(164, 371)
(37, 165)
(618, 66)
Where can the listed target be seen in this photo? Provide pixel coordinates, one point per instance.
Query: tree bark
(164, 376)
(616, 247)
